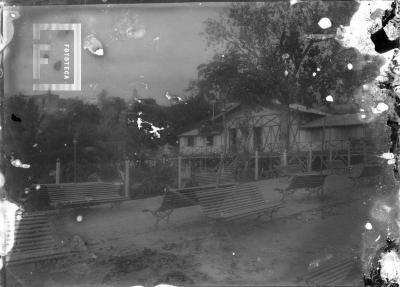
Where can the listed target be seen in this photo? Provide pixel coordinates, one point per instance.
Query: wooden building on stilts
(243, 142)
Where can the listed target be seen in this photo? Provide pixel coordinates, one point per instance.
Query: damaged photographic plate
(199, 143)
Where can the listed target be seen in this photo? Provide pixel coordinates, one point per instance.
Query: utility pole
(75, 141)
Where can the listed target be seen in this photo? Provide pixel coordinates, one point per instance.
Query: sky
(154, 48)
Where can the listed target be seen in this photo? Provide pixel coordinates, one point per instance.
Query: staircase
(365, 148)
(204, 177)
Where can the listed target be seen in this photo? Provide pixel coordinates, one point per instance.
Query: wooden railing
(356, 146)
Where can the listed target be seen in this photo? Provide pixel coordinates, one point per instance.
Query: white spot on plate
(368, 226)
(7, 226)
(387, 155)
(79, 218)
(2, 180)
(382, 107)
(329, 98)
(325, 23)
(286, 73)
(391, 161)
(363, 116)
(390, 266)
(93, 45)
(294, 2)
(350, 66)
(18, 163)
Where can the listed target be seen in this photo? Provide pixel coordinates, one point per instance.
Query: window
(257, 137)
(210, 140)
(316, 135)
(190, 141)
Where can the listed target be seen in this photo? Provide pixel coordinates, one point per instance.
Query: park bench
(369, 173)
(312, 183)
(234, 202)
(83, 193)
(289, 170)
(332, 273)
(34, 241)
(336, 166)
(177, 198)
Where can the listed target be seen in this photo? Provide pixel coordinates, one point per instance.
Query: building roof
(304, 109)
(233, 106)
(336, 121)
(193, 132)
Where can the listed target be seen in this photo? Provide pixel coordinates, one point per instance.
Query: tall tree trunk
(285, 128)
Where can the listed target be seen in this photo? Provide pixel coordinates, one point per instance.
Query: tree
(264, 55)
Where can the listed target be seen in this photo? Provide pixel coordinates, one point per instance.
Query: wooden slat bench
(234, 202)
(369, 174)
(336, 166)
(332, 273)
(313, 183)
(178, 198)
(83, 193)
(34, 241)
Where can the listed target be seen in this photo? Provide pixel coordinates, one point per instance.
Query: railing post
(330, 150)
(364, 152)
(349, 154)
(309, 165)
(58, 171)
(256, 166)
(179, 172)
(127, 173)
(220, 166)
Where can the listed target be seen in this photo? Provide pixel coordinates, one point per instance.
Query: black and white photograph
(177, 144)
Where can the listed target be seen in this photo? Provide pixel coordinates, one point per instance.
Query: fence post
(309, 166)
(284, 158)
(330, 150)
(127, 178)
(179, 172)
(349, 154)
(256, 166)
(58, 171)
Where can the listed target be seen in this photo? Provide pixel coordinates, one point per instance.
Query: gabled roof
(304, 109)
(337, 121)
(228, 108)
(233, 106)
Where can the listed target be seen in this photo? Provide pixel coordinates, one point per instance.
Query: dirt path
(125, 250)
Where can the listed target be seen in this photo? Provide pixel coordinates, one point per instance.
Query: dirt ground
(121, 247)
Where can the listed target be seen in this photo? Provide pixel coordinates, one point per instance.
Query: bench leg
(269, 212)
(162, 216)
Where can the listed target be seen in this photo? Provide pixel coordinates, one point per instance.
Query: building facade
(260, 129)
